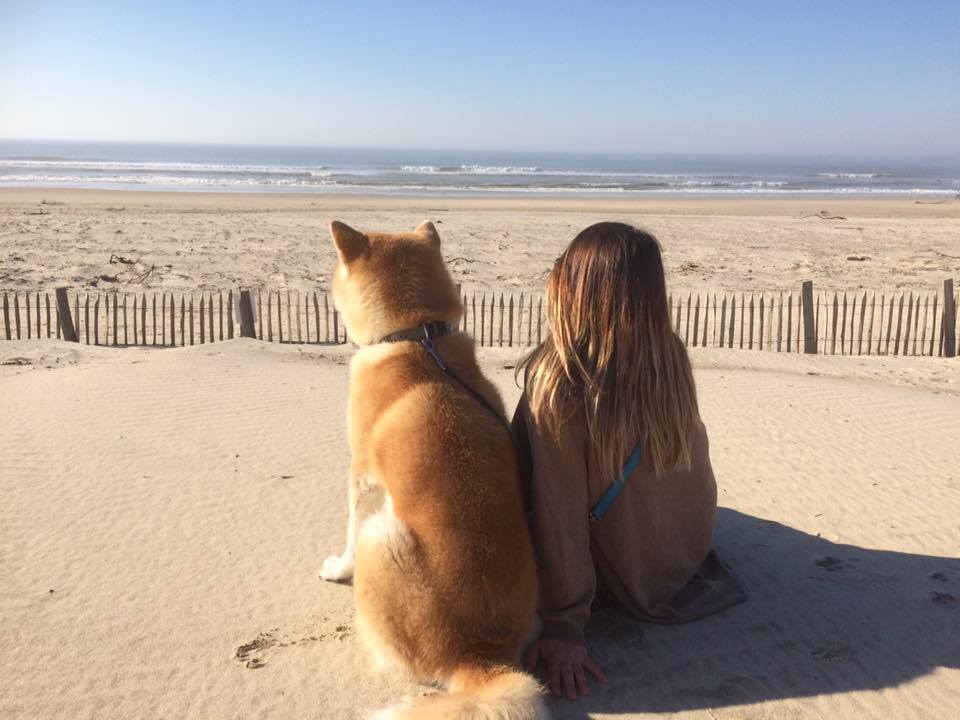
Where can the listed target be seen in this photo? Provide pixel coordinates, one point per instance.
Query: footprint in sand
(833, 651)
(253, 655)
(830, 563)
(943, 599)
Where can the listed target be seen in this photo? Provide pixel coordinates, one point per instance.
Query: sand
(200, 241)
(166, 513)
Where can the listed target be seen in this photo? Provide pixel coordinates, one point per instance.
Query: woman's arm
(559, 494)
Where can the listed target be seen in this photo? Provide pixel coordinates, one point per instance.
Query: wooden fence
(833, 323)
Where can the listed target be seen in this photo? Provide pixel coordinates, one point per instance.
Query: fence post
(246, 315)
(809, 325)
(949, 320)
(66, 321)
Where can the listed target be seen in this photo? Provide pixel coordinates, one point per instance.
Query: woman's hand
(566, 663)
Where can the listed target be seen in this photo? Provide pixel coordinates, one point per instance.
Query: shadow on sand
(820, 618)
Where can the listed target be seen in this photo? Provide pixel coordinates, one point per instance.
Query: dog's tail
(476, 693)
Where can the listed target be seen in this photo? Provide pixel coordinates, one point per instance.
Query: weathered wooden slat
(916, 326)
(316, 314)
(696, 321)
(843, 327)
(789, 320)
(922, 327)
(220, 314)
(190, 317)
(173, 322)
(202, 320)
(6, 317)
(16, 313)
(86, 318)
(29, 317)
(493, 303)
(780, 325)
(65, 321)
(116, 318)
(289, 323)
(743, 316)
(126, 334)
(483, 320)
(510, 321)
(733, 318)
(770, 322)
(326, 317)
(677, 328)
(949, 321)
(502, 312)
(46, 301)
(38, 315)
(260, 316)
(299, 332)
(761, 314)
(723, 320)
(230, 316)
(336, 326)
(750, 336)
(520, 321)
(210, 315)
(539, 317)
(473, 316)
(183, 320)
(906, 330)
(809, 323)
(143, 318)
(706, 323)
(96, 320)
(833, 324)
(886, 345)
(686, 335)
(246, 315)
(873, 304)
(466, 311)
(136, 323)
(896, 344)
(933, 325)
(280, 319)
(863, 317)
(713, 328)
(269, 316)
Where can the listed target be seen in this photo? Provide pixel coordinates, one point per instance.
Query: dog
(443, 573)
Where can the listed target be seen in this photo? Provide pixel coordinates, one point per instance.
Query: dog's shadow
(820, 618)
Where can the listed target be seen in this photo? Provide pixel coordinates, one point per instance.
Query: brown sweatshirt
(650, 553)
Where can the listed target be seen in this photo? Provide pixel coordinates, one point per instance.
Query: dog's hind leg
(390, 594)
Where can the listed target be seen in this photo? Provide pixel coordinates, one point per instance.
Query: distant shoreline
(869, 206)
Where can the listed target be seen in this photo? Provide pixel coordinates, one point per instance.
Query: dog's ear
(350, 243)
(427, 230)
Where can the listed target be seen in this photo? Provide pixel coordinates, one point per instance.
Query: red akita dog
(444, 575)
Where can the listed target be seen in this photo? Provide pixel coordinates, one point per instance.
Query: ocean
(248, 168)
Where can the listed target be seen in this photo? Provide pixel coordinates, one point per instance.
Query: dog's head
(384, 283)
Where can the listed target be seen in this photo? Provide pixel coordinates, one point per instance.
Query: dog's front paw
(338, 568)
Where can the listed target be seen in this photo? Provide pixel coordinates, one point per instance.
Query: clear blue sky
(844, 76)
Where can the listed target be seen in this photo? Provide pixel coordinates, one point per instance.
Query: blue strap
(600, 509)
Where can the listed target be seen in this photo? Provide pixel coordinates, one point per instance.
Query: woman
(612, 386)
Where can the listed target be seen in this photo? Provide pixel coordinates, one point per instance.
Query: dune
(166, 513)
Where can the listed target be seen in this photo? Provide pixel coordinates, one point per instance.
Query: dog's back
(445, 580)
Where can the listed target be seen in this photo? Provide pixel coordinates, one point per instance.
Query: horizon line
(300, 146)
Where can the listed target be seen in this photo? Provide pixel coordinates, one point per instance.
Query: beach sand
(200, 241)
(166, 513)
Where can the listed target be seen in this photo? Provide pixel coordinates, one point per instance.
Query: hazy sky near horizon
(851, 77)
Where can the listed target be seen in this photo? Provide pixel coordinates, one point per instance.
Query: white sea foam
(212, 168)
(852, 175)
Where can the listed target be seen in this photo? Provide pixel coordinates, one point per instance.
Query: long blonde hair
(613, 351)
